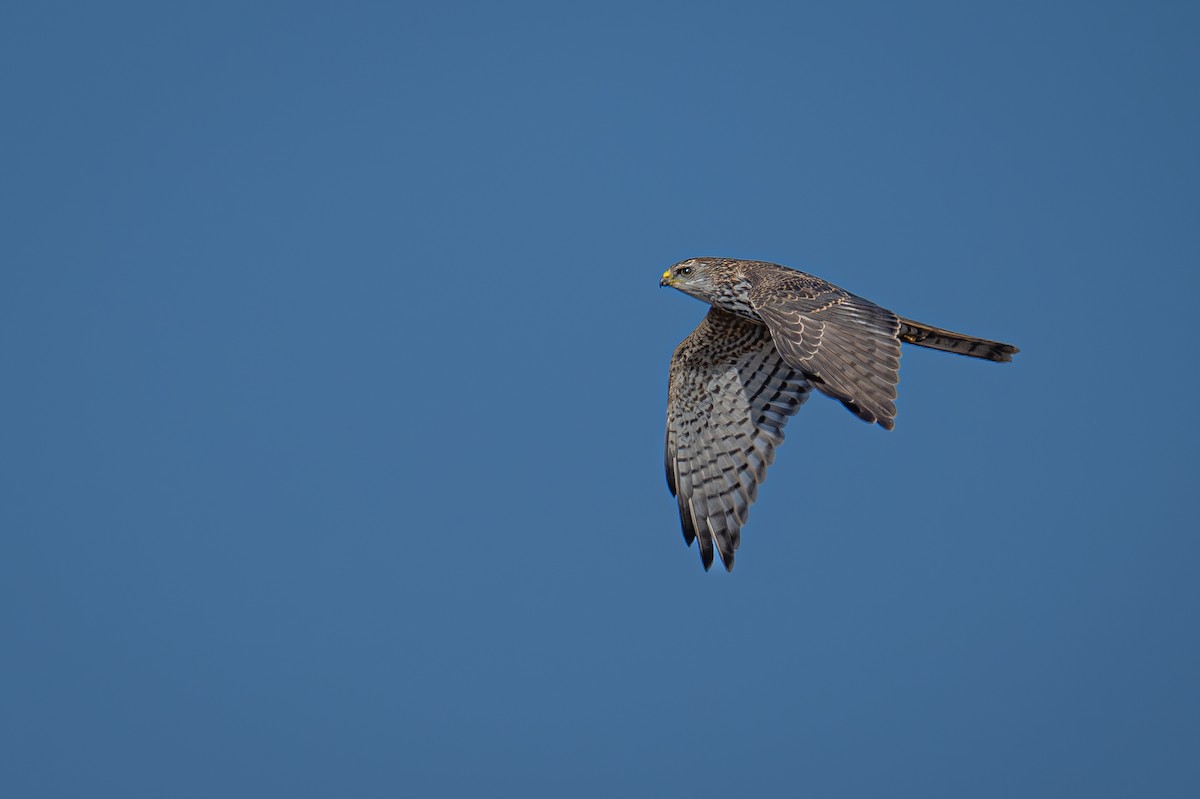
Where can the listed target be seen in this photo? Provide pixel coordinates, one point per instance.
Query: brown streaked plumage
(771, 336)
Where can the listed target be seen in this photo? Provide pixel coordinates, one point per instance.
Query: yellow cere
(667, 275)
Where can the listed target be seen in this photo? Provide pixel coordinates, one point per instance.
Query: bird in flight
(771, 336)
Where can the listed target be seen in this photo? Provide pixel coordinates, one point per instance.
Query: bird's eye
(687, 270)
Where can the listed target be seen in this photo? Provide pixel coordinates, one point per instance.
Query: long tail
(947, 341)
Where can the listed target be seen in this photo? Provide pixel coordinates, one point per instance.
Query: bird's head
(703, 278)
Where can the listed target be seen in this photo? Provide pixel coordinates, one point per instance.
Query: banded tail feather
(948, 341)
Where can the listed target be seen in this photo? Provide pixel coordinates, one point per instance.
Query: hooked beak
(666, 278)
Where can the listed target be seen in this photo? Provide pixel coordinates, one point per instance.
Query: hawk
(772, 335)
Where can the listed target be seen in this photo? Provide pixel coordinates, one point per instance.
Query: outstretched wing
(730, 395)
(846, 346)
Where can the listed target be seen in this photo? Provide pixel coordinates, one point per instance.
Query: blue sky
(335, 380)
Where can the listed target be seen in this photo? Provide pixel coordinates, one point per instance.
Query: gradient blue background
(334, 378)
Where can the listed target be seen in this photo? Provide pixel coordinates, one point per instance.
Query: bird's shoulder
(772, 283)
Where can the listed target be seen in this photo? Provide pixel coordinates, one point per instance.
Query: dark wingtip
(685, 522)
(727, 546)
